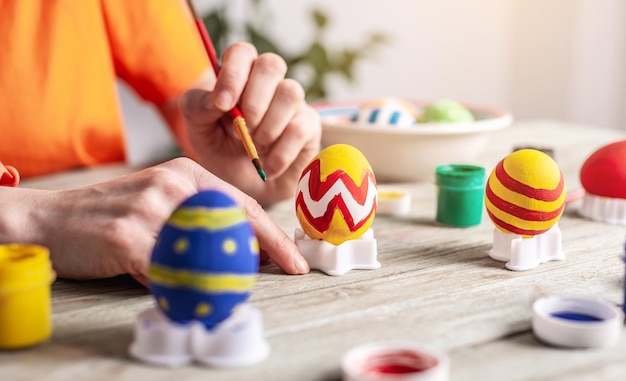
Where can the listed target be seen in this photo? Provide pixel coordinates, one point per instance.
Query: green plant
(316, 59)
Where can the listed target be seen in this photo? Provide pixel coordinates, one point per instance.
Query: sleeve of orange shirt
(155, 47)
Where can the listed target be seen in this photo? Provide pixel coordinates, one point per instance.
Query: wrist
(18, 222)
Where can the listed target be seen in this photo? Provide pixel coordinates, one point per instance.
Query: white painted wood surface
(436, 286)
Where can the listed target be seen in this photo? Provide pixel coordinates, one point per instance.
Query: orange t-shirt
(58, 63)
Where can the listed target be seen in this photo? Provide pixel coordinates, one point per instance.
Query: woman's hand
(110, 228)
(285, 129)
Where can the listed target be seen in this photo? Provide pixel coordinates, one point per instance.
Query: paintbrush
(235, 114)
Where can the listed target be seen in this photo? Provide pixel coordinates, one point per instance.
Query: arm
(110, 228)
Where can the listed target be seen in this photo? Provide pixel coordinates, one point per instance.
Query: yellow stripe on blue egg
(200, 281)
(210, 219)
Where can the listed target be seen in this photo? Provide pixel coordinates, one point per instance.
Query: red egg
(604, 172)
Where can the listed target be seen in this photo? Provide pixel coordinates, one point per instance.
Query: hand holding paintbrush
(286, 130)
(237, 117)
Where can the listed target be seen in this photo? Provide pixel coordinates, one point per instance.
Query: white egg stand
(522, 254)
(332, 259)
(236, 342)
(604, 209)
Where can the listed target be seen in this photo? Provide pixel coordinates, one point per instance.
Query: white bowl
(412, 153)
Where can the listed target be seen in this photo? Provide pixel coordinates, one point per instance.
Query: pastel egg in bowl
(409, 153)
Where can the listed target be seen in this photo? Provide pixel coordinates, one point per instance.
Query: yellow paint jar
(25, 278)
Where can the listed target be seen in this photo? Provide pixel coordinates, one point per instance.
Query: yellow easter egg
(336, 197)
(525, 193)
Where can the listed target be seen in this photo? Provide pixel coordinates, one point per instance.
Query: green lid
(460, 176)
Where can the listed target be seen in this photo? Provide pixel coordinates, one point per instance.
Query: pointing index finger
(233, 75)
(272, 239)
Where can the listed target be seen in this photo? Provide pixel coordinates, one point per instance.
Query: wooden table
(436, 286)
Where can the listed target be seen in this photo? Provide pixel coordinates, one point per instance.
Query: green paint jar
(460, 193)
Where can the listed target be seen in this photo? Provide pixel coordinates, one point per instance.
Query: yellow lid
(24, 266)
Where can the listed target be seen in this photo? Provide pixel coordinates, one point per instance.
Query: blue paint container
(576, 322)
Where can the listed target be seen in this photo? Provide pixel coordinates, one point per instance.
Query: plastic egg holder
(525, 197)
(237, 342)
(202, 270)
(336, 201)
(357, 254)
(604, 209)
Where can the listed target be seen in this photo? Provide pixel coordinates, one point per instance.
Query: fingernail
(301, 265)
(224, 100)
(208, 103)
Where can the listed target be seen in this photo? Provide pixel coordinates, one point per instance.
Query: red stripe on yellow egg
(519, 211)
(504, 221)
(513, 229)
(520, 199)
(536, 193)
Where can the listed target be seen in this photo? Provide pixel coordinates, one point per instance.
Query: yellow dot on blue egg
(203, 309)
(181, 245)
(229, 246)
(254, 246)
(164, 304)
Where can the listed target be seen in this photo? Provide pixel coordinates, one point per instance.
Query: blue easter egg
(387, 113)
(205, 260)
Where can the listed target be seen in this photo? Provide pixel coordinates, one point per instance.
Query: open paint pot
(393, 201)
(576, 322)
(399, 361)
(460, 193)
(25, 278)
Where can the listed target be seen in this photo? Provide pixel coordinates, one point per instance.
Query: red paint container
(398, 361)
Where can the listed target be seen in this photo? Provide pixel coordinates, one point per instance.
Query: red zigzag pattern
(318, 189)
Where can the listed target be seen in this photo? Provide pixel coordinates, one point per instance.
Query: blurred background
(559, 59)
